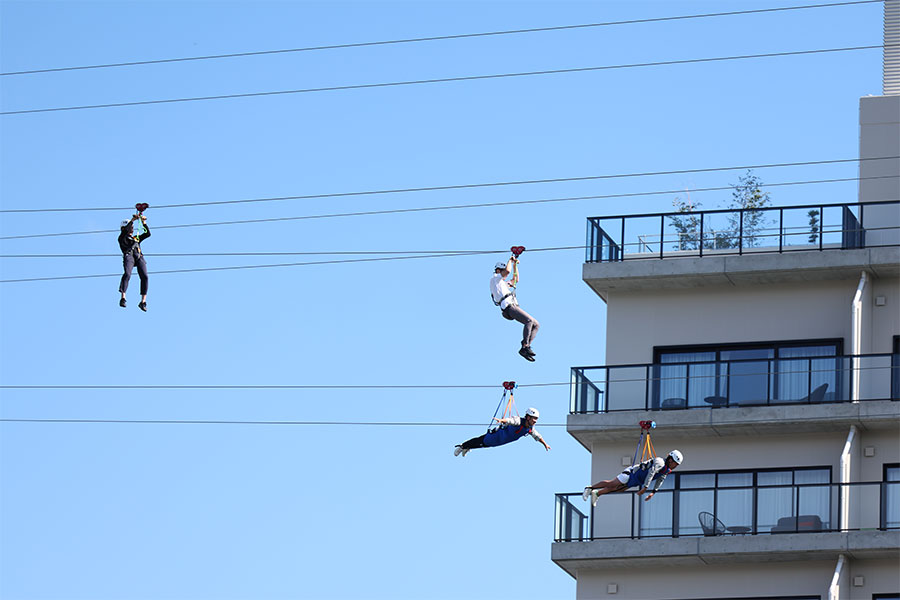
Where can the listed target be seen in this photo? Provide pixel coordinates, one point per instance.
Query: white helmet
(676, 456)
(500, 265)
(124, 223)
(532, 412)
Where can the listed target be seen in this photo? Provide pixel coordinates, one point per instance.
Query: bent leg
(531, 324)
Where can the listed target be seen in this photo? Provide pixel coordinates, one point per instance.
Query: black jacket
(127, 241)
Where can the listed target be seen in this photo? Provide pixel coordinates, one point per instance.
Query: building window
(746, 374)
(890, 498)
(757, 501)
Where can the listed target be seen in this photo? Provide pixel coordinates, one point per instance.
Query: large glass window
(747, 374)
(764, 501)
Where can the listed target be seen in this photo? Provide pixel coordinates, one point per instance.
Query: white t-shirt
(500, 288)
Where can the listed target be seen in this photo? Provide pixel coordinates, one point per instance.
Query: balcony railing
(738, 510)
(740, 231)
(725, 383)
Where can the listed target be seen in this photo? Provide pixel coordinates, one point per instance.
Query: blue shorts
(631, 479)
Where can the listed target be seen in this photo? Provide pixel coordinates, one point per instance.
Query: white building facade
(766, 346)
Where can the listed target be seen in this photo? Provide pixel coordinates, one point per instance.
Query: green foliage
(813, 226)
(688, 226)
(748, 199)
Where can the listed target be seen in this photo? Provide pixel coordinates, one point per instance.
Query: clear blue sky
(124, 511)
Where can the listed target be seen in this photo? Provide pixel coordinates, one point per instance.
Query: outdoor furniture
(817, 395)
(798, 524)
(716, 401)
(673, 403)
(713, 526)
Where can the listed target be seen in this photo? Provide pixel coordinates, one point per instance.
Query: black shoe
(530, 351)
(524, 353)
(122, 302)
(143, 306)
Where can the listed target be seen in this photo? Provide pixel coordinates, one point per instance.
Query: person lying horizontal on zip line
(509, 429)
(504, 296)
(640, 475)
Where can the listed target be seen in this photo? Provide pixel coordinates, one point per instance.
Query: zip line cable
(434, 38)
(457, 186)
(444, 80)
(321, 253)
(651, 379)
(445, 207)
(208, 422)
(276, 265)
(270, 387)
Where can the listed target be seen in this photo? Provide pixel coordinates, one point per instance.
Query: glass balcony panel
(643, 237)
(755, 510)
(588, 392)
(681, 233)
(627, 388)
(748, 382)
(877, 378)
(655, 516)
(812, 379)
(837, 230)
(782, 229)
(690, 505)
(721, 233)
(735, 507)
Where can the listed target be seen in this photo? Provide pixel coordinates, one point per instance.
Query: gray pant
(515, 313)
(129, 262)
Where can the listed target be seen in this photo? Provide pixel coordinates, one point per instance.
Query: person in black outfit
(132, 256)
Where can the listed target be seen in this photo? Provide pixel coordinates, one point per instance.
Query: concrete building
(766, 345)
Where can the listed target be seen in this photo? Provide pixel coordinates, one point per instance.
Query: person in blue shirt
(509, 430)
(640, 475)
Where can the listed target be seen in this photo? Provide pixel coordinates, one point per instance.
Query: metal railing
(740, 231)
(731, 511)
(725, 383)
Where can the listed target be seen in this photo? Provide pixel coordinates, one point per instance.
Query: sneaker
(595, 495)
(523, 352)
(143, 306)
(122, 302)
(465, 451)
(457, 450)
(530, 351)
(586, 494)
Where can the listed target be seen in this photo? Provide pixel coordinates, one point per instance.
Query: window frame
(772, 380)
(676, 490)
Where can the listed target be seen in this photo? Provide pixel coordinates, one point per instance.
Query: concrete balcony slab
(739, 421)
(622, 553)
(750, 268)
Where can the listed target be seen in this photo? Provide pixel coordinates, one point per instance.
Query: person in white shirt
(504, 296)
(640, 475)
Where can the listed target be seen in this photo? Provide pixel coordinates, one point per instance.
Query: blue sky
(116, 511)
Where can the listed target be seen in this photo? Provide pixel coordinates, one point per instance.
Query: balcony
(734, 247)
(729, 523)
(746, 396)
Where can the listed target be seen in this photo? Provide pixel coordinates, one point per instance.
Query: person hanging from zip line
(130, 244)
(640, 475)
(509, 429)
(503, 294)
